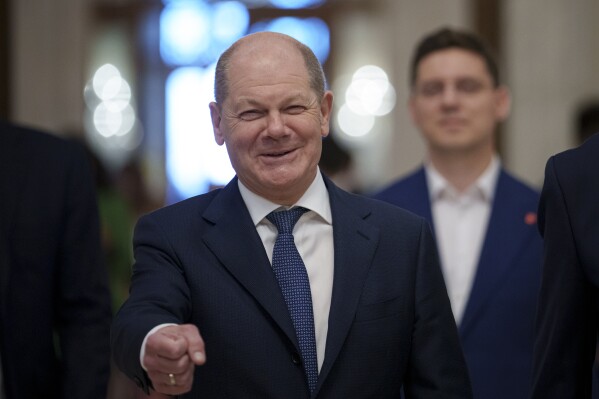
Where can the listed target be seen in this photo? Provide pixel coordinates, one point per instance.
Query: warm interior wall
(47, 58)
(552, 55)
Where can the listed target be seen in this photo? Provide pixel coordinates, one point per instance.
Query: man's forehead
(454, 63)
(263, 42)
(266, 68)
(285, 96)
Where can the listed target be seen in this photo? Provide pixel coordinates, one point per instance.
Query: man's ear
(326, 107)
(215, 115)
(503, 103)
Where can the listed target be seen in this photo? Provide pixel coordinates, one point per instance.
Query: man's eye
(431, 89)
(250, 115)
(469, 86)
(295, 109)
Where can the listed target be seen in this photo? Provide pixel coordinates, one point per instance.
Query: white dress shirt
(313, 235)
(460, 223)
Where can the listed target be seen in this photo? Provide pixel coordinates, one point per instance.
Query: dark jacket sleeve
(160, 295)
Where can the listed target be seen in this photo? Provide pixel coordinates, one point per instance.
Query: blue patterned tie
(293, 280)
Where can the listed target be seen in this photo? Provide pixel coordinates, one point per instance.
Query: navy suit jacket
(201, 261)
(54, 300)
(497, 327)
(567, 321)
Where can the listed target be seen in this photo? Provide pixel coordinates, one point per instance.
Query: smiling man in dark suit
(54, 300)
(378, 314)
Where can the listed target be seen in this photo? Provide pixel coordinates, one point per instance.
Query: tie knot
(286, 220)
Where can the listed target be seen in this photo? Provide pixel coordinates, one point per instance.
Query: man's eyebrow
(284, 99)
(248, 100)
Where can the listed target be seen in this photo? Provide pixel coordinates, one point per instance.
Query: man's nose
(449, 96)
(276, 124)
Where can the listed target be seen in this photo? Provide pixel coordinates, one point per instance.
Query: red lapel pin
(530, 218)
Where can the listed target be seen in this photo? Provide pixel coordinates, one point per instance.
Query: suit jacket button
(296, 358)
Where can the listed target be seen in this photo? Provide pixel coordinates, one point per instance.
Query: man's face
(454, 102)
(272, 121)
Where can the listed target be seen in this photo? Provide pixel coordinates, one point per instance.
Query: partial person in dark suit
(567, 324)
(54, 301)
(381, 316)
(483, 218)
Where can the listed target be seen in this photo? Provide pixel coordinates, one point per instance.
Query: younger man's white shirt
(460, 223)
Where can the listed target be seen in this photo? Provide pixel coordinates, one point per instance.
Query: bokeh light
(352, 124)
(111, 124)
(368, 95)
(194, 160)
(294, 4)
(195, 32)
(370, 92)
(230, 21)
(184, 31)
(313, 32)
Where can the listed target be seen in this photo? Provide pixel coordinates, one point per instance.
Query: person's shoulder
(383, 213)
(29, 134)
(184, 208)
(592, 143)
(517, 187)
(36, 142)
(37, 151)
(586, 152)
(405, 185)
(576, 166)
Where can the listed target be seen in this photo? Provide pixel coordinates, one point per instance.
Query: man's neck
(461, 169)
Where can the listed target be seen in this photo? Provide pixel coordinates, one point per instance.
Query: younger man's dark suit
(54, 299)
(202, 261)
(567, 321)
(496, 330)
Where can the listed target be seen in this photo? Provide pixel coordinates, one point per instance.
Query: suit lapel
(355, 242)
(411, 194)
(237, 245)
(420, 201)
(506, 226)
(243, 255)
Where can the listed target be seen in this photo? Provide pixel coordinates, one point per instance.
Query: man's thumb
(195, 344)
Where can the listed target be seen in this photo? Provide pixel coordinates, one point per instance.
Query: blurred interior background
(133, 78)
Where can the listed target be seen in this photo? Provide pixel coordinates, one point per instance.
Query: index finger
(167, 342)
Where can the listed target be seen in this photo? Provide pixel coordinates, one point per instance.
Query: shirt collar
(485, 185)
(316, 199)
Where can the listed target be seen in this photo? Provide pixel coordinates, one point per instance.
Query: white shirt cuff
(142, 352)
